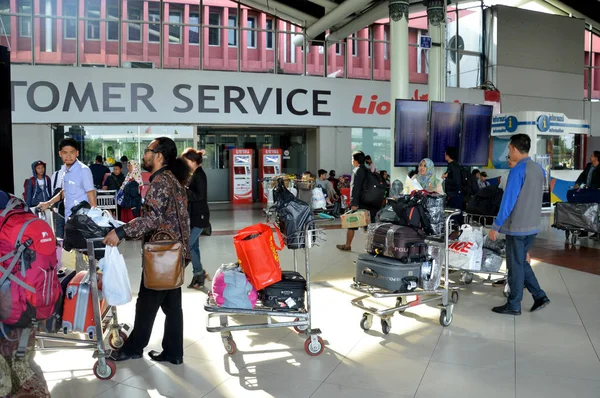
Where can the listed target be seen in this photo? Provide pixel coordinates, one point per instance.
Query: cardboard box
(357, 219)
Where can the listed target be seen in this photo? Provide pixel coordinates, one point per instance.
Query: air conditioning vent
(456, 42)
(93, 65)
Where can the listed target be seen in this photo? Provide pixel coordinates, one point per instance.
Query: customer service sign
(69, 95)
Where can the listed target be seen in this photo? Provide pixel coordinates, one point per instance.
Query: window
(153, 28)
(214, 34)
(269, 27)
(175, 30)
(385, 44)
(194, 30)
(24, 7)
(354, 45)
(232, 33)
(5, 19)
(251, 33)
(69, 9)
(92, 27)
(134, 13)
(112, 14)
(338, 49)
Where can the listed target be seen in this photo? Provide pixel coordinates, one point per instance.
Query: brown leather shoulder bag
(163, 260)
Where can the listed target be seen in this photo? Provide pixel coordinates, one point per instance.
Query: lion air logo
(45, 237)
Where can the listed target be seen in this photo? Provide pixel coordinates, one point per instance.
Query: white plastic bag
(467, 252)
(318, 199)
(116, 287)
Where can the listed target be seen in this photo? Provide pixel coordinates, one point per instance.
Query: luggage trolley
(107, 200)
(445, 293)
(107, 326)
(302, 319)
(577, 219)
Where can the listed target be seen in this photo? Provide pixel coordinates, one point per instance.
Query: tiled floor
(550, 353)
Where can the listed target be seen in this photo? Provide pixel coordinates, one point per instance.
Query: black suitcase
(388, 274)
(396, 241)
(287, 294)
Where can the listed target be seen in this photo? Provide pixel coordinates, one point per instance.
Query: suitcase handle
(422, 253)
(369, 272)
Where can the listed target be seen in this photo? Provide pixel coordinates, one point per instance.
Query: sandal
(343, 248)
(194, 283)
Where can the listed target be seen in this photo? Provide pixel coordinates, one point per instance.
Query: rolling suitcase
(287, 294)
(396, 241)
(583, 196)
(387, 273)
(78, 312)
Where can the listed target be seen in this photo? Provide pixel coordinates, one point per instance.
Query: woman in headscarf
(427, 178)
(132, 199)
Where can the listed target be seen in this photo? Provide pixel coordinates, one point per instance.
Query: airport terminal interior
(274, 88)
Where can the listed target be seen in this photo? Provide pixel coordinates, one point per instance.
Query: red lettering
(356, 107)
(384, 108)
(466, 247)
(372, 104)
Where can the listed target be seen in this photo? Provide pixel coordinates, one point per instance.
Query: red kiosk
(269, 165)
(241, 176)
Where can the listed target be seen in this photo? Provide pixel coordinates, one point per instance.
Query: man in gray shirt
(520, 219)
(324, 183)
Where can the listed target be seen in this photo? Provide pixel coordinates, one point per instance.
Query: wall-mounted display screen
(444, 129)
(410, 132)
(475, 135)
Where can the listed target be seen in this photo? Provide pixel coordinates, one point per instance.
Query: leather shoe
(540, 303)
(504, 309)
(162, 357)
(119, 356)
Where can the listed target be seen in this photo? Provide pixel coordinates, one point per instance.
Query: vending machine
(241, 176)
(269, 165)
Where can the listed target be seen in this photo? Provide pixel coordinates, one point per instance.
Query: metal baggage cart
(300, 320)
(579, 226)
(107, 329)
(447, 294)
(107, 200)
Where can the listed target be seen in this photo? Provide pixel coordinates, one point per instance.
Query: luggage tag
(291, 303)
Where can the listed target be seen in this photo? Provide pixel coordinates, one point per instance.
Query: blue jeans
(195, 248)
(520, 273)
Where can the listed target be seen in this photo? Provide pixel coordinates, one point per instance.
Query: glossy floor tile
(552, 352)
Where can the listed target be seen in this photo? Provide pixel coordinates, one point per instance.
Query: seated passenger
(590, 177)
(482, 183)
(427, 178)
(327, 187)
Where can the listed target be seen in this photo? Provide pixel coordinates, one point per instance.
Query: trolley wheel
(567, 235)
(314, 349)
(109, 370)
(574, 239)
(386, 326)
(467, 278)
(445, 317)
(398, 304)
(118, 342)
(454, 297)
(366, 322)
(230, 345)
(300, 329)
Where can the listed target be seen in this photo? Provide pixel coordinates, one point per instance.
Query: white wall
(334, 149)
(31, 142)
(536, 60)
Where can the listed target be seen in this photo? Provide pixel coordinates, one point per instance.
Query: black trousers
(146, 308)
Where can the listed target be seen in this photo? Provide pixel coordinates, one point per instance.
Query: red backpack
(29, 286)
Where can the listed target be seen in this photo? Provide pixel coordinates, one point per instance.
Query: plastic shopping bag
(257, 250)
(467, 252)
(318, 199)
(116, 287)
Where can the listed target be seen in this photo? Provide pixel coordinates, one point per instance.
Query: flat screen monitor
(475, 135)
(444, 129)
(239, 170)
(410, 132)
(269, 170)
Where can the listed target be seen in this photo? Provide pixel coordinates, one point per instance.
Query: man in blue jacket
(520, 220)
(37, 188)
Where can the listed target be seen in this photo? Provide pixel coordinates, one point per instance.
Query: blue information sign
(425, 42)
(475, 135)
(410, 132)
(444, 129)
